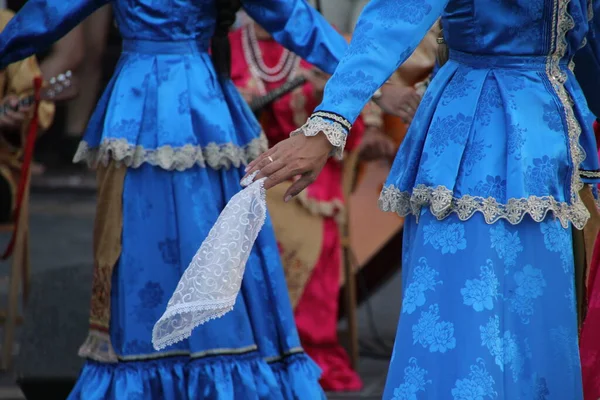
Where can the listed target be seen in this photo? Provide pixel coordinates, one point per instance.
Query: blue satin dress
(489, 178)
(185, 136)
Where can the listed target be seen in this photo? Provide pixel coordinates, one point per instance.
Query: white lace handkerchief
(210, 285)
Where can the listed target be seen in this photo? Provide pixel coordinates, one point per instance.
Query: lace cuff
(334, 126)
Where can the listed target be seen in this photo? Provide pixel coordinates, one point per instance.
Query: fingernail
(246, 169)
(287, 198)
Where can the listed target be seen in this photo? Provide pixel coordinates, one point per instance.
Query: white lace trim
(336, 133)
(442, 203)
(210, 285)
(589, 174)
(97, 346)
(562, 23)
(213, 155)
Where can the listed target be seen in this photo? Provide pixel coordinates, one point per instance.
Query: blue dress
(185, 136)
(489, 178)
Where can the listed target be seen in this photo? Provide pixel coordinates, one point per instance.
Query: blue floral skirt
(488, 312)
(252, 353)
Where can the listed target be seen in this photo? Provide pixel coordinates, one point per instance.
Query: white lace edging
(97, 346)
(211, 283)
(442, 203)
(335, 132)
(178, 323)
(214, 155)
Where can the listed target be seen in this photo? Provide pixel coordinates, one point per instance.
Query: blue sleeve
(301, 29)
(587, 60)
(387, 33)
(39, 24)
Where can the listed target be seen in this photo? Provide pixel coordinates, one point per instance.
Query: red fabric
(27, 158)
(282, 116)
(316, 317)
(317, 310)
(590, 332)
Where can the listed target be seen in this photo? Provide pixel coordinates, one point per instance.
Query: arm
(20, 77)
(39, 24)
(20, 80)
(587, 61)
(300, 28)
(387, 32)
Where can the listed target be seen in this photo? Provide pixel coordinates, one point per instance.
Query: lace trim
(442, 203)
(589, 174)
(98, 347)
(213, 155)
(335, 132)
(334, 117)
(561, 24)
(184, 319)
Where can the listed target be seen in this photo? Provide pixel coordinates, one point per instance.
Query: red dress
(590, 333)
(314, 285)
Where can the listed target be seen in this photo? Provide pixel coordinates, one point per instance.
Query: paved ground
(61, 228)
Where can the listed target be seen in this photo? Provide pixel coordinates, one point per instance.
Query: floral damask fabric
(184, 135)
(476, 307)
(489, 176)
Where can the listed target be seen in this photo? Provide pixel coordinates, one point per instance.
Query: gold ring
(270, 158)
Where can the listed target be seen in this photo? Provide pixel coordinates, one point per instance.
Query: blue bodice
(165, 105)
(505, 128)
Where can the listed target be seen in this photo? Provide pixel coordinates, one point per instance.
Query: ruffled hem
(246, 377)
(213, 155)
(442, 203)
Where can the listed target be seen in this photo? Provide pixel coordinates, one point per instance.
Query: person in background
(16, 80)
(66, 54)
(307, 230)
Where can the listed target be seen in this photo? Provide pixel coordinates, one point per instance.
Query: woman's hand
(401, 101)
(376, 145)
(13, 120)
(298, 155)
